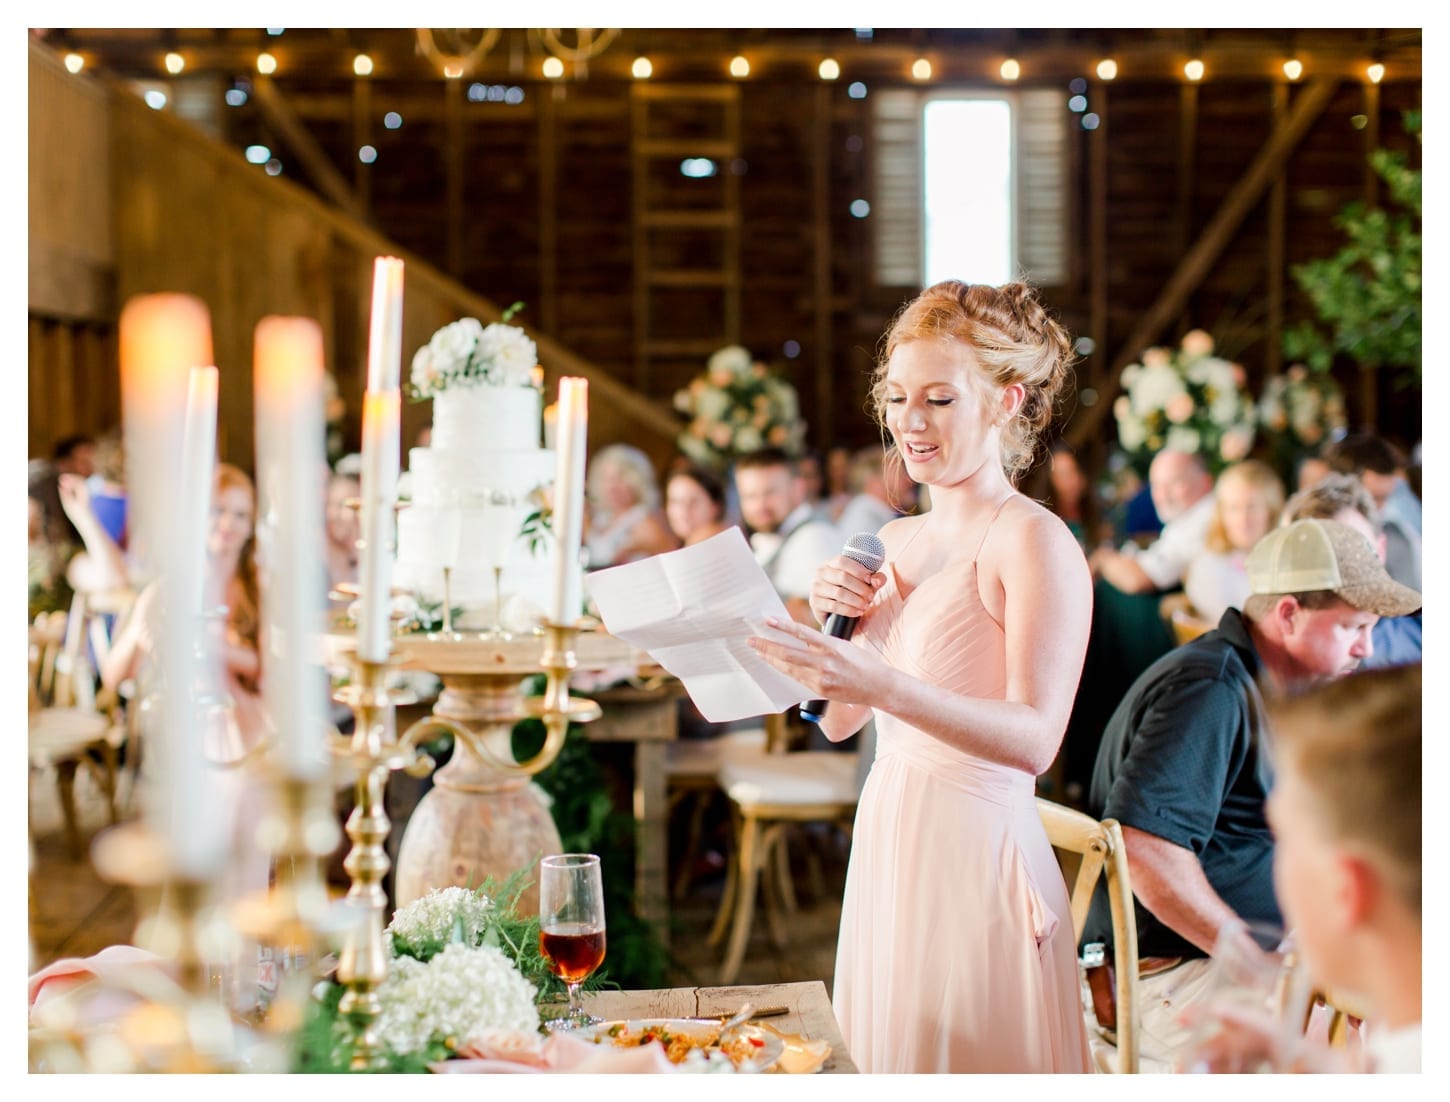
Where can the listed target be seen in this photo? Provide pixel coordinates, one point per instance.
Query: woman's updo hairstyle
(1014, 341)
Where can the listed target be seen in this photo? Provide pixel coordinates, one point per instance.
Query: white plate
(766, 1054)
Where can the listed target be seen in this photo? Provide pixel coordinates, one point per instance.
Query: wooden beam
(362, 109)
(1211, 242)
(1187, 166)
(279, 115)
(1371, 141)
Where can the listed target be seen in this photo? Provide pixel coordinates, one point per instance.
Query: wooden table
(649, 718)
(810, 1011)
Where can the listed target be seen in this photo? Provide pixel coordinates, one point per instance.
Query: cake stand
(482, 818)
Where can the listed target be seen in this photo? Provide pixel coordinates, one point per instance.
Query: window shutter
(896, 211)
(1041, 170)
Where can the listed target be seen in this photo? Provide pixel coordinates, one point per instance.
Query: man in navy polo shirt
(1182, 764)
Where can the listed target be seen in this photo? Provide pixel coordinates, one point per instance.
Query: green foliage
(1368, 295)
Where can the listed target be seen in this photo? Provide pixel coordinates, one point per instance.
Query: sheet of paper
(693, 610)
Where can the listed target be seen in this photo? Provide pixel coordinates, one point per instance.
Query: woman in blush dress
(1247, 499)
(956, 950)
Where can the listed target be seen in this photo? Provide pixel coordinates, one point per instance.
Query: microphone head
(866, 549)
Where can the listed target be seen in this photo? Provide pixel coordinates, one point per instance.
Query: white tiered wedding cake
(474, 488)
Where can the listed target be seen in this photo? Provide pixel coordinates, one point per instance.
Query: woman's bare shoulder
(895, 533)
(1029, 533)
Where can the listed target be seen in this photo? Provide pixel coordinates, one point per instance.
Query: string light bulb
(1107, 69)
(830, 69)
(1293, 68)
(74, 62)
(1010, 69)
(1193, 70)
(739, 67)
(921, 69)
(362, 65)
(175, 63)
(553, 68)
(1376, 73)
(642, 69)
(266, 64)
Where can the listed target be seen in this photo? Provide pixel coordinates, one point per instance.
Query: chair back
(1099, 845)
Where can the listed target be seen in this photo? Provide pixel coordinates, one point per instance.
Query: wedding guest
(1379, 465)
(1312, 471)
(1182, 764)
(624, 521)
(956, 949)
(100, 565)
(1247, 499)
(1182, 492)
(108, 487)
(695, 504)
(75, 454)
(838, 474)
(230, 581)
(1398, 640)
(789, 538)
(811, 469)
(1128, 632)
(1346, 814)
(342, 529)
(1072, 496)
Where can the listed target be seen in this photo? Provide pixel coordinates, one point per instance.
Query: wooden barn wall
(536, 201)
(187, 214)
(71, 381)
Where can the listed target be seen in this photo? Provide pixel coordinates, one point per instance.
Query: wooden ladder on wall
(686, 230)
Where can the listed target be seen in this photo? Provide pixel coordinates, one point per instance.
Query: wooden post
(822, 420)
(549, 212)
(1187, 168)
(453, 175)
(1215, 237)
(1098, 240)
(1278, 205)
(362, 175)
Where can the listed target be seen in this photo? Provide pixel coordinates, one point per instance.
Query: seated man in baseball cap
(1182, 765)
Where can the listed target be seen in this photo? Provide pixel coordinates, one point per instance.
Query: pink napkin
(61, 976)
(561, 1053)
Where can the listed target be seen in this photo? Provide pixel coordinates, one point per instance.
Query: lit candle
(536, 377)
(572, 432)
(290, 464)
(385, 333)
(198, 472)
(162, 337)
(551, 423)
(379, 492)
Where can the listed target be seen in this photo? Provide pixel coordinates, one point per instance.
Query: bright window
(968, 217)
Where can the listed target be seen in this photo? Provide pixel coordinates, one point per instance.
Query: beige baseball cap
(1311, 555)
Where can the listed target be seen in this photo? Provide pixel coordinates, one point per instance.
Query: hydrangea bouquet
(736, 406)
(469, 353)
(1188, 400)
(465, 978)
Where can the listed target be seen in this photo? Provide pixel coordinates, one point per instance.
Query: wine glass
(1253, 1013)
(571, 926)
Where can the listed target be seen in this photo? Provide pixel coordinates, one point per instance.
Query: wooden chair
(68, 731)
(1182, 618)
(1099, 845)
(769, 794)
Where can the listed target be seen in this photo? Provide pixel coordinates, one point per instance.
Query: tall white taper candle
(572, 437)
(291, 471)
(162, 337)
(379, 492)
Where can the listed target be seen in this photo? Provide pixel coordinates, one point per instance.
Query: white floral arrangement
(1188, 400)
(1304, 407)
(466, 997)
(737, 405)
(469, 353)
(443, 916)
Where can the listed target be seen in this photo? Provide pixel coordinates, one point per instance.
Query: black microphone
(870, 552)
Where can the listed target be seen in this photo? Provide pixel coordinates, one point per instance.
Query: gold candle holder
(373, 752)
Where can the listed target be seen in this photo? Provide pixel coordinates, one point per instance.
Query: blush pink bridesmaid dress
(956, 949)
